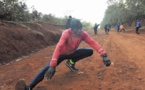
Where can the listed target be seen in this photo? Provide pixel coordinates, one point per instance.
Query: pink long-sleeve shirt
(68, 43)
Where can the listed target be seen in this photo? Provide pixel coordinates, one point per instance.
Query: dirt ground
(127, 54)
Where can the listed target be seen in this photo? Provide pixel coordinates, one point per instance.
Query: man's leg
(94, 31)
(39, 77)
(137, 30)
(76, 56)
(124, 30)
(118, 30)
(81, 53)
(70, 61)
(106, 31)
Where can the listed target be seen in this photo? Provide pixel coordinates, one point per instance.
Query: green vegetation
(17, 11)
(87, 26)
(124, 11)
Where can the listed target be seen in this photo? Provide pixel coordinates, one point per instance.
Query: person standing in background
(95, 28)
(107, 28)
(68, 22)
(138, 25)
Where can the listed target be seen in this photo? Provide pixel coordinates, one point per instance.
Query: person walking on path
(67, 49)
(95, 28)
(68, 22)
(138, 25)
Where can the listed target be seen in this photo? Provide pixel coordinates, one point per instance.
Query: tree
(123, 11)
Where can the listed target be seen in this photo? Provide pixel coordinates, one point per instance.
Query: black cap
(75, 24)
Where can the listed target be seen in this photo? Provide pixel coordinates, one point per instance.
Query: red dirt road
(127, 71)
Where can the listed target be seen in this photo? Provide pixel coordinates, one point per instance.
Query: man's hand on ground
(50, 72)
(106, 60)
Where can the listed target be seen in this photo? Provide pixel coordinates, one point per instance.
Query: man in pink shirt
(67, 48)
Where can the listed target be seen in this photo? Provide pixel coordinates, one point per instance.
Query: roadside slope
(17, 40)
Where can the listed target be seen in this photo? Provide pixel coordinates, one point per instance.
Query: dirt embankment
(17, 40)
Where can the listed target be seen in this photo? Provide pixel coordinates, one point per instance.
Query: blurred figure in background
(122, 28)
(107, 28)
(68, 22)
(95, 28)
(118, 27)
(138, 25)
